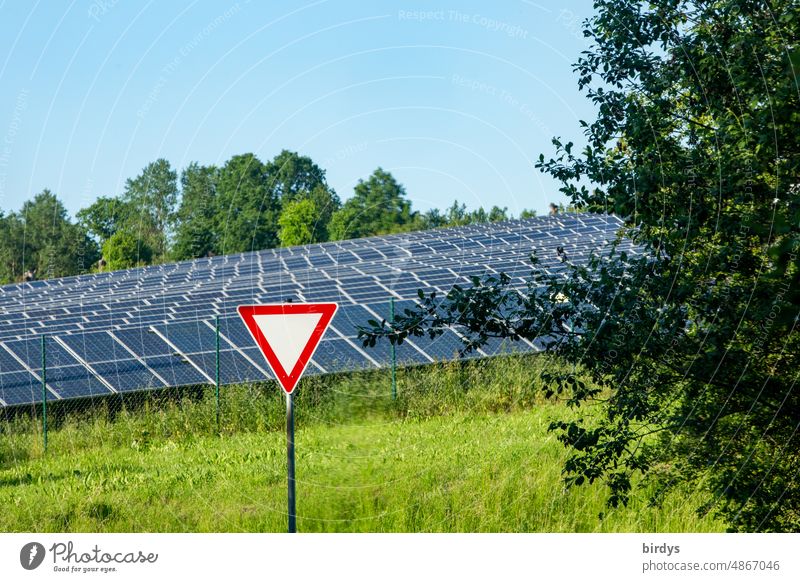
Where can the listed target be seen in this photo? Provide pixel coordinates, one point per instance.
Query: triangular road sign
(288, 334)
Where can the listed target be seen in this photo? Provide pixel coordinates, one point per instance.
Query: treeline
(244, 205)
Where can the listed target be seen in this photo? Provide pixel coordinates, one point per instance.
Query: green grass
(465, 448)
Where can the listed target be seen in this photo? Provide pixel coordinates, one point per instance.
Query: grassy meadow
(464, 448)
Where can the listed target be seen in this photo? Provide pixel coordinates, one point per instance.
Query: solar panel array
(153, 327)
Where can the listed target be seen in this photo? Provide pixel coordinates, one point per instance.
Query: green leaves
(151, 197)
(574, 388)
(794, 58)
(247, 208)
(41, 241)
(694, 106)
(692, 339)
(297, 222)
(124, 250)
(196, 234)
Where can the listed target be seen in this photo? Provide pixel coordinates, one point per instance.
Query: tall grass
(465, 447)
(477, 386)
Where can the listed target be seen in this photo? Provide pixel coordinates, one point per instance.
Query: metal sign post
(288, 335)
(290, 462)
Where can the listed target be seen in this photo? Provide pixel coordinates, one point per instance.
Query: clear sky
(456, 99)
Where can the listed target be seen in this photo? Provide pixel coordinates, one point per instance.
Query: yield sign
(288, 334)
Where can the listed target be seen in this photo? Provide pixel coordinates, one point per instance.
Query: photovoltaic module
(154, 327)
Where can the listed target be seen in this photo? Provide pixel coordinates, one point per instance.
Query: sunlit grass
(464, 448)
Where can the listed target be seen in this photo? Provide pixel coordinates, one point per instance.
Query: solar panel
(443, 348)
(174, 371)
(233, 366)
(75, 382)
(338, 355)
(126, 375)
(152, 327)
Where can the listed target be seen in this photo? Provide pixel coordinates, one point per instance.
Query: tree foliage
(691, 344)
(297, 222)
(196, 234)
(294, 178)
(291, 175)
(104, 217)
(12, 245)
(458, 215)
(243, 205)
(326, 203)
(124, 250)
(151, 197)
(42, 241)
(378, 206)
(247, 217)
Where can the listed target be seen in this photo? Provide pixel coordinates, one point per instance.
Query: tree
(290, 175)
(325, 203)
(432, 218)
(247, 208)
(457, 215)
(196, 234)
(12, 243)
(124, 250)
(152, 196)
(104, 217)
(378, 206)
(297, 222)
(41, 240)
(691, 345)
(497, 214)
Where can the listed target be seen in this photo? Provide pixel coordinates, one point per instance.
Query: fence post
(44, 391)
(394, 352)
(216, 376)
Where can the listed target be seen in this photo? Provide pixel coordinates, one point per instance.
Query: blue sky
(456, 99)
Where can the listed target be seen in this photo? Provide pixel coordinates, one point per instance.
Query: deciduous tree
(104, 217)
(247, 208)
(196, 233)
(152, 196)
(297, 222)
(41, 239)
(691, 345)
(290, 175)
(378, 206)
(124, 250)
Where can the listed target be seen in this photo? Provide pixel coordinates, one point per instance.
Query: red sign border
(288, 380)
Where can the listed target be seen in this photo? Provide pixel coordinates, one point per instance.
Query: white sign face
(288, 334)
